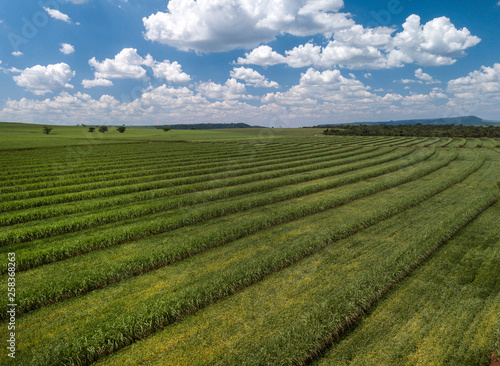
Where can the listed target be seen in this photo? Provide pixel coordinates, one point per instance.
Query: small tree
(166, 129)
(46, 130)
(91, 129)
(121, 129)
(103, 129)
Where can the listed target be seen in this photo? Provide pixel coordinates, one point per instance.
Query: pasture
(249, 247)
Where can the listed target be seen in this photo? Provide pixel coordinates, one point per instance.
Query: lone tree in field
(46, 130)
(91, 129)
(103, 129)
(166, 129)
(121, 129)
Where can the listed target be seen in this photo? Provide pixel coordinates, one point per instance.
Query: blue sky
(276, 63)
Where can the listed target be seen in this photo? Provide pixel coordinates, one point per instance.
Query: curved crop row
(451, 316)
(80, 279)
(59, 168)
(120, 232)
(244, 174)
(156, 173)
(194, 284)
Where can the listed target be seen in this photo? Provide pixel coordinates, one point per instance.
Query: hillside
(464, 120)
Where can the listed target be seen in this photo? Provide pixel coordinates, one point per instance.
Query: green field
(248, 247)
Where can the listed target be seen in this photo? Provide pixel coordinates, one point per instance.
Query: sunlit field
(249, 247)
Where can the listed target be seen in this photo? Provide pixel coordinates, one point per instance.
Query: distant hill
(465, 120)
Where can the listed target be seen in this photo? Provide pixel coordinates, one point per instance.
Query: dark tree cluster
(417, 130)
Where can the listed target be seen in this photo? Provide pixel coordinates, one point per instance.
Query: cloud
(480, 84)
(319, 97)
(367, 75)
(17, 53)
(232, 89)
(263, 56)
(170, 71)
(435, 43)
(45, 79)
(408, 81)
(96, 82)
(222, 25)
(315, 86)
(252, 78)
(419, 74)
(66, 48)
(56, 14)
(125, 65)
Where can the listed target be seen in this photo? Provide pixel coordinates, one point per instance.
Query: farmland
(249, 247)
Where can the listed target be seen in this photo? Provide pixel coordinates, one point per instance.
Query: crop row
(47, 211)
(44, 251)
(100, 325)
(161, 166)
(291, 316)
(82, 278)
(138, 168)
(155, 172)
(449, 319)
(63, 168)
(91, 165)
(207, 181)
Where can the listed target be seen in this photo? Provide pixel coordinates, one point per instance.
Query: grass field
(248, 247)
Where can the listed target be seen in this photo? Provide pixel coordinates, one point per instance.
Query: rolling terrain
(250, 247)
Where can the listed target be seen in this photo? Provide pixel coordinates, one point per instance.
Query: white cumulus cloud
(170, 71)
(232, 89)
(419, 74)
(45, 79)
(252, 77)
(125, 65)
(56, 14)
(221, 25)
(17, 53)
(67, 48)
(435, 43)
(479, 84)
(128, 64)
(263, 56)
(96, 82)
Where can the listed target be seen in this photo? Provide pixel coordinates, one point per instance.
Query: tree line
(416, 130)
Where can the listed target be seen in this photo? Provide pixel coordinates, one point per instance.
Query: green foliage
(46, 130)
(121, 129)
(313, 232)
(166, 129)
(418, 130)
(103, 129)
(91, 129)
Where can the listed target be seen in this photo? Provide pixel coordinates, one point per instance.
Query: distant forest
(416, 130)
